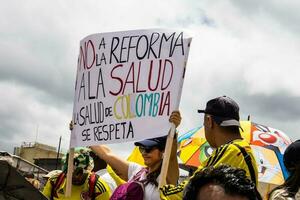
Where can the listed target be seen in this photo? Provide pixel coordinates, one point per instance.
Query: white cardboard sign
(127, 85)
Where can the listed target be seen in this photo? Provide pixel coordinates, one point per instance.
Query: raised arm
(119, 165)
(173, 169)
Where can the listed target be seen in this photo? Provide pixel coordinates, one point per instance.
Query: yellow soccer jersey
(80, 192)
(228, 154)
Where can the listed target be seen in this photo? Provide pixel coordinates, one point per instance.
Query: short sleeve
(133, 169)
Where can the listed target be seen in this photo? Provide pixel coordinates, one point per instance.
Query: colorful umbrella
(267, 143)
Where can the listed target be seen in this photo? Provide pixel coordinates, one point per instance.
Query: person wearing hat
(152, 151)
(222, 132)
(290, 189)
(85, 185)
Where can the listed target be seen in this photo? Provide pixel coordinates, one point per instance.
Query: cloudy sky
(248, 50)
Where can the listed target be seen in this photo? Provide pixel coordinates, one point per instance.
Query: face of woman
(152, 156)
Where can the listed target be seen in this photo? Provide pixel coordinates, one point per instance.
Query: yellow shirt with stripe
(226, 154)
(102, 190)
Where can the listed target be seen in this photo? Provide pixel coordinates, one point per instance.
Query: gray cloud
(284, 14)
(37, 67)
(279, 106)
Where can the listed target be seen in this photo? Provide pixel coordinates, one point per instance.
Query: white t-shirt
(151, 191)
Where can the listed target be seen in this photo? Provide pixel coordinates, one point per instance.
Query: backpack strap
(248, 162)
(92, 185)
(138, 175)
(56, 185)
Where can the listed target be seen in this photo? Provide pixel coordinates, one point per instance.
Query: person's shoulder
(54, 177)
(235, 145)
(135, 166)
(133, 169)
(241, 142)
(227, 151)
(218, 153)
(278, 194)
(50, 182)
(244, 145)
(99, 184)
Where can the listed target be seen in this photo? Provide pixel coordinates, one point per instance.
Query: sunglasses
(144, 149)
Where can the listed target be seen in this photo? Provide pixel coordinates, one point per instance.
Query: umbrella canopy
(14, 186)
(268, 145)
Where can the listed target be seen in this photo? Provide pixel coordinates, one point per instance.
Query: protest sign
(127, 85)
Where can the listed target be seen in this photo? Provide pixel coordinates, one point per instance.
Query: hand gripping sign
(127, 85)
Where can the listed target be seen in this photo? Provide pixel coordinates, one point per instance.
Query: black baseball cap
(291, 156)
(159, 142)
(224, 110)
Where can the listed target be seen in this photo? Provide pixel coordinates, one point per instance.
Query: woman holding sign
(152, 151)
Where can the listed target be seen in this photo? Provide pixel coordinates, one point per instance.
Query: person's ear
(210, 122)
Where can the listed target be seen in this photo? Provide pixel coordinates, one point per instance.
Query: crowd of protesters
(229, 173)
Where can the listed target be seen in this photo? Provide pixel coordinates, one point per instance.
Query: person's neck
(82, 180)
(154, 167)
(229, 137)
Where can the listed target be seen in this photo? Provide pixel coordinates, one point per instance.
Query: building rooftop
(38, 145)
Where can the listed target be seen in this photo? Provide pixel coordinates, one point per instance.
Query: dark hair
(233, 180)
(152, 176)
(98, 162)
(292, 184)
